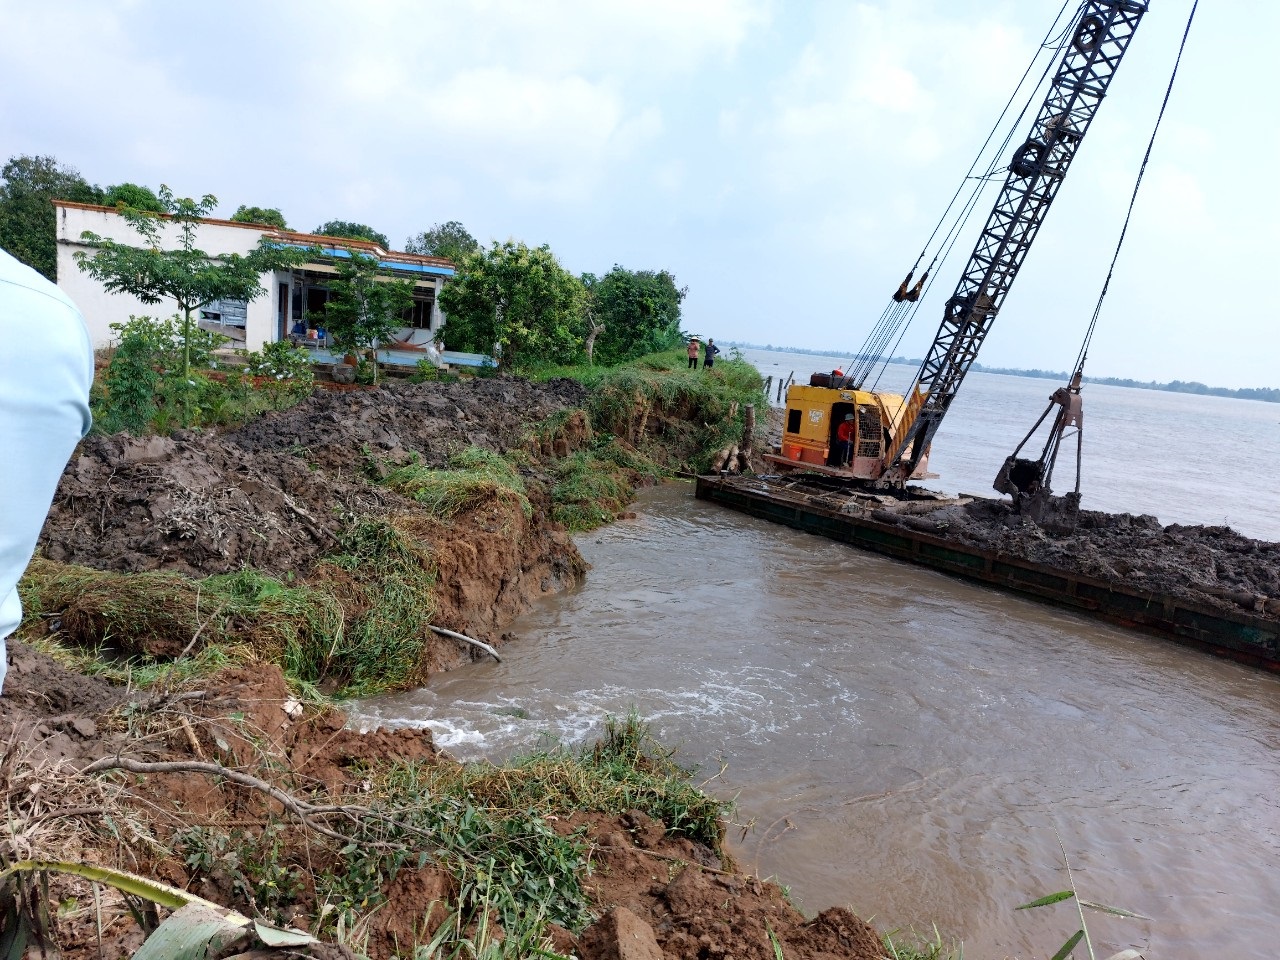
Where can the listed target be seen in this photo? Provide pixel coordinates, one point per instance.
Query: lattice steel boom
(1102, 32)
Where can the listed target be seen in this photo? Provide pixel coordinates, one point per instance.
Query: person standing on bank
(46, 368)
(692, 353)
(711, 350)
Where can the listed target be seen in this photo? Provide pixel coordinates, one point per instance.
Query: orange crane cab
(813, 417)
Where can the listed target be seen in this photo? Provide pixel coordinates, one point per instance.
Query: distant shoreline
(1265, 394)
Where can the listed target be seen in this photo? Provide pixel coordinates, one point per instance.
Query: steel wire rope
(1044, 45)
(899, 321)
(1106, 284)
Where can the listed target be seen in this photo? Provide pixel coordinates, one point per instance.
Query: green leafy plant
(144, 377)
(287, 372)
(252, 863)
(169, 265)
(449, 240)
(268, 216)
(631, 313)
(28, 224)
(518, 301)
(365, 305)
(1081, 905)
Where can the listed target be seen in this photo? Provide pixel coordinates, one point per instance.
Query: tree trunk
(748, 436)
(596, 330)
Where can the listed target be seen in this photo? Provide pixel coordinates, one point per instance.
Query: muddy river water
(905, 743)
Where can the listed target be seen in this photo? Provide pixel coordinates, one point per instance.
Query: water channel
(911, 745)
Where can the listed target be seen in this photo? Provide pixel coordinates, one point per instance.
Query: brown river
(913, 746)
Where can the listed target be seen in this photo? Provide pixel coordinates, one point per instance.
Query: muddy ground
(656, 894)
(275, 494)
(1212, 565)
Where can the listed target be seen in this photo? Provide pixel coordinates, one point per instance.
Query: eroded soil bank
(281, 496)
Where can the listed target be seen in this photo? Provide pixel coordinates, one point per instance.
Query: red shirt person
(844, 438)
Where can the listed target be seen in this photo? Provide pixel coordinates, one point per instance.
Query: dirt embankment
(655, 894)
(275, 495)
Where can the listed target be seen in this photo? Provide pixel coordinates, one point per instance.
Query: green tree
(364, 304)
(518, 301)
(271, 216)
(631, 313)
(184, 273)
(353, 231)
(132, 195)
(449, 240)
(28, 224)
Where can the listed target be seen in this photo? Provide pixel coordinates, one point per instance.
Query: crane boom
(1101, 35)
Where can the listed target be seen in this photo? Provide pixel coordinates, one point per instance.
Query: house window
(317, 297)
(419, 315)
(226, 313)
(793, 421)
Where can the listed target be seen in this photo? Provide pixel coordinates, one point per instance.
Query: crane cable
(897, 315)
(1093, 323)
(1044, 44)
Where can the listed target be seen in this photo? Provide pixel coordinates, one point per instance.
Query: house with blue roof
(294, 298)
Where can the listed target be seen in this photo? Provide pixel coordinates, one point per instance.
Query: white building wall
(101, 309)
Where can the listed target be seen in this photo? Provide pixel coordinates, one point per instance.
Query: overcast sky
(785, 161)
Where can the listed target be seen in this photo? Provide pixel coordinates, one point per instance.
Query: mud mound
(273, 494)
(674, 896)
(1207, 564)
(431, 420)
(195, 504)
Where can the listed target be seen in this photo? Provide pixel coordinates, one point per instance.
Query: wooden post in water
(748, 436)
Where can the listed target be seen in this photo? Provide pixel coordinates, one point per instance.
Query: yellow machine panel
(812, 418)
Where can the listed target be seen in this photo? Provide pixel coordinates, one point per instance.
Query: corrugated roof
(392, 259)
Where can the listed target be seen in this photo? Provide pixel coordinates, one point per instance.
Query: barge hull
(1225, 633)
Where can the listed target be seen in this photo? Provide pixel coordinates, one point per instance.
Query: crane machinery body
(889, 435)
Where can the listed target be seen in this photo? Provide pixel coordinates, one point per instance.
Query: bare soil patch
(1206, 564)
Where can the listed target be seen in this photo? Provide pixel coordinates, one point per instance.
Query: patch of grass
(384, 580)
(909, 945)
(357, 626)
(626, 770)
(488, 827)
(587, 493)
(678, 417)
(475, 477)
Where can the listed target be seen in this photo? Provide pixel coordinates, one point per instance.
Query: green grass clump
(914, 946)
(626, 770)
(386, 579)
(357, 626)
(588, 491)
(476, 476)
(678, 417)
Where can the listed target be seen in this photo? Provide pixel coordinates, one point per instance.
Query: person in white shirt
(46, 369)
